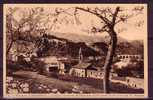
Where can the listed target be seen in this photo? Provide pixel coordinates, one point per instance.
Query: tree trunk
(9, 47)
(108, 60)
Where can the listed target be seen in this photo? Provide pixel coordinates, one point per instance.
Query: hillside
(89, 39)
(63, 47)
(63, 44)
(134, 46)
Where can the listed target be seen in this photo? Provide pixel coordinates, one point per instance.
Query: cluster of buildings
(84, 70)
(87, 69)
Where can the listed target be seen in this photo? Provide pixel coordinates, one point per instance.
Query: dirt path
(62, 85)
(55, 83)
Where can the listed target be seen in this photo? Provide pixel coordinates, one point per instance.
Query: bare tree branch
(123, 19)
(97, 14)
(115, 15)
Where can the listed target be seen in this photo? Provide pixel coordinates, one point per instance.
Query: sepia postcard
(75, 51)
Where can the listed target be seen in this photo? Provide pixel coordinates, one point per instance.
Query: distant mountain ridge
(96, 46)
(61, 46)
(87, 38)
(69, 44)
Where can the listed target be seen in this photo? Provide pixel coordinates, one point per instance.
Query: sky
(129, 29)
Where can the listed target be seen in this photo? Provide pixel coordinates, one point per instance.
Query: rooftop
(48, 59)
(82, 65)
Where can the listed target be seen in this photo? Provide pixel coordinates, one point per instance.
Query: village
(86, 67)
(55, 50)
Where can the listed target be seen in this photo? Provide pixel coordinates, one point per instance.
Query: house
(86, 70)
(80, 69)
(95, 72)
(98, 73)
(126, 57)
(52, 65)
(122, 64)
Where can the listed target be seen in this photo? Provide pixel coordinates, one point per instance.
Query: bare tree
(15, 28)
(32, 23)
(109, 19)
(10, 30)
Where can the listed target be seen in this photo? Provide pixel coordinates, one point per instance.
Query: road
(68, 85)
(56, 83)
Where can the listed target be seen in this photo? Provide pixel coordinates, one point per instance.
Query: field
(32, 82)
